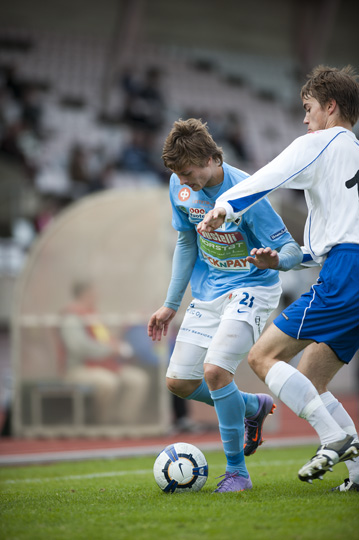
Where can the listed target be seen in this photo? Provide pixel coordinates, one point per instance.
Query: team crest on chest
(184, 194)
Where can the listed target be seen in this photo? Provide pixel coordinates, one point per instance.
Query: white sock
(300, 395)
(340, 415)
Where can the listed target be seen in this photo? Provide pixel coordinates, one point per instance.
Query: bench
(42, 393)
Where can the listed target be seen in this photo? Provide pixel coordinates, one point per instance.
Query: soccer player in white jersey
(232, 297)
(325, 164)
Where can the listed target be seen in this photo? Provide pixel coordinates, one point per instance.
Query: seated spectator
(93, 356)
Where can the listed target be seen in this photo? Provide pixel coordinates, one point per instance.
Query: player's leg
(220, 365)
(328, 313)
(252, 305)
(268, 358)
(319, 364)
(199, 330)
(184, 376)
(197, 389)
(185, 381)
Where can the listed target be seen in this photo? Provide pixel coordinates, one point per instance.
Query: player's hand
(212, 220)
(159, 323)
(264, 258)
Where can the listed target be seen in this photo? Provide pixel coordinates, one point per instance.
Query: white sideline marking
(111, 474)
(112, 453)
(77, 476)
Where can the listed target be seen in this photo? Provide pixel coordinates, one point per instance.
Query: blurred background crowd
(89, 91)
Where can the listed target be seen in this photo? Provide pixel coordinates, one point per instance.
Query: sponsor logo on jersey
(228, 264)
(184, 194)
(225, 238)
(196, 214)
(224, 250)
(278, 233)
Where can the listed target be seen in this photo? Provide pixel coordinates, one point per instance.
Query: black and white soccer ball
(180, 467)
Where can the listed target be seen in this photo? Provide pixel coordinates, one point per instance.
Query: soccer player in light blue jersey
(232, 298)
(325, 164)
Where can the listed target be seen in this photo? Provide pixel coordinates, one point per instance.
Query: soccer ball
(180, 467)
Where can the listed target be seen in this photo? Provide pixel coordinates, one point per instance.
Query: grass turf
(119, 499)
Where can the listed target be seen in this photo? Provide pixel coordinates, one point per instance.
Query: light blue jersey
(221, 266)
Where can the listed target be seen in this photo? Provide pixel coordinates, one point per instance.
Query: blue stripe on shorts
(329, 312)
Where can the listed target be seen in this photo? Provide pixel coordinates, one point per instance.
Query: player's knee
(180, 387)
(253, 360)
(216, 377)
(259, 363)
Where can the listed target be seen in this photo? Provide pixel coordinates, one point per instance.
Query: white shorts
(221, 332)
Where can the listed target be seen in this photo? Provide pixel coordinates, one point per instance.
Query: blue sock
(252, 404)
(230, 407)
(202, 393)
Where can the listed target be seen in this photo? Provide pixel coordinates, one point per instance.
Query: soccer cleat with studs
(233, 482)
(327, 456)
(347, 485)
(254, 424)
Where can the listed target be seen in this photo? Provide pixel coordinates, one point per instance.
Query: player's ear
(331, 106)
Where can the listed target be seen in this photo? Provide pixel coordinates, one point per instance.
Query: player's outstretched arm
(159, 323)
(212, 220)
(287, 257)
(264, 258)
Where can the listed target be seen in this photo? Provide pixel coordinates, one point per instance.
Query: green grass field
(119, 499)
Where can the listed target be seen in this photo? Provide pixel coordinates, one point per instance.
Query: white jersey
(325, 164)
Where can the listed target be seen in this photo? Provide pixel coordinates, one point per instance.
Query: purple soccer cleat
(254, 424)
(233, 482)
